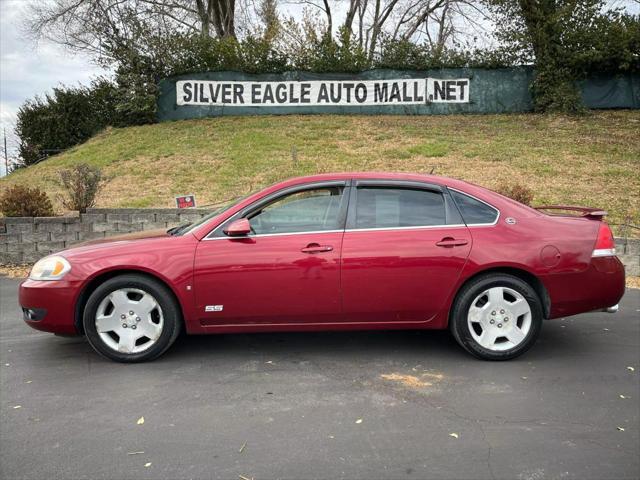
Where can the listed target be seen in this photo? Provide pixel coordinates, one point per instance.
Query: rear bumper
(600, 287)
(49, 306)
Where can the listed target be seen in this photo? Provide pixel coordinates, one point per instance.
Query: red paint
(367, 279)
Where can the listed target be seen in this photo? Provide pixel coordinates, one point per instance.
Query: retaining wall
(26, 239)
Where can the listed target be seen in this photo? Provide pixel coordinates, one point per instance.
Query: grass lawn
(591, 161)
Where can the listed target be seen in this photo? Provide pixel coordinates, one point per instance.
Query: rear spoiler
(593, 213)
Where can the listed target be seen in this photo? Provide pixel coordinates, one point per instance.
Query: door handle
(451, 242)
(316, 248)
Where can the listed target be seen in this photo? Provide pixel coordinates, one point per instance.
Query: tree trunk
(204, 17)
(223, 16)
(327, 10)
(351, 13)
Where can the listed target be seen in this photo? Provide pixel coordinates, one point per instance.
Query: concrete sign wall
(373, 92)
(398, 92)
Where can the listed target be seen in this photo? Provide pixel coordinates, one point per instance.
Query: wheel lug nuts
(122, 316)
(133, 327)
(499, 325)
(506, 319)
(501, 311)
(137, 319)
(492, 321)
(493, 313)
(130, 312)
(124, 325)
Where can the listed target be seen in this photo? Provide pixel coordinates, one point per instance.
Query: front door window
(307, 211)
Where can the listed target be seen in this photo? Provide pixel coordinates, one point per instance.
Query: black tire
(172, 317)
(458, 320)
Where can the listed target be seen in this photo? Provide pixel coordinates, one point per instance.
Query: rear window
(384, 207)
(474, 212)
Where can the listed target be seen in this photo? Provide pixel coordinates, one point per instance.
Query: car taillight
(605, 244)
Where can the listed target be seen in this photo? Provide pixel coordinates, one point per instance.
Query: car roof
(418, 177)
(370, 175)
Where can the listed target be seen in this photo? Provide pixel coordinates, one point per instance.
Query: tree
(269, 19)
(562, 38)
(86, 25)
(371, 21)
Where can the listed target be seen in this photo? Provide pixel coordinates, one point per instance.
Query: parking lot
(324, 405)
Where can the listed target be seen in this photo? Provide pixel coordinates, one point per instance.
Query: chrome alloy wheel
(129, 320)
(499, 319)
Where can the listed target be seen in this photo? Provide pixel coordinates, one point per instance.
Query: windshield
(188, 227)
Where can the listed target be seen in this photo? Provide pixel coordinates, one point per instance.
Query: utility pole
(6, 157)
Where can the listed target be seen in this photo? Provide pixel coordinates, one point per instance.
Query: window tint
(385, 207)
(307, 211)
(474, 211)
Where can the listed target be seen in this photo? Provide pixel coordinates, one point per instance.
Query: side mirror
(238, 228)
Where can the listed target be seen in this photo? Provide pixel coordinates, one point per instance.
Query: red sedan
(336, 252)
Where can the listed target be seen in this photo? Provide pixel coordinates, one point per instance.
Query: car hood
(161, 232)
(116, 244)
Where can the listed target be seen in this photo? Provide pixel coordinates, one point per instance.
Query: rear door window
(392, 207)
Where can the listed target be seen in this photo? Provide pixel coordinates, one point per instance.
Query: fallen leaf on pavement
(134, 453)
(242, 477)
(242, 447)
(631, 369)
(148, 464)
(406, 380)
(17, 406)
(140, 421)
(359, 420)
(620, 429)
(622, 396)
(28, 381)
(454, 435)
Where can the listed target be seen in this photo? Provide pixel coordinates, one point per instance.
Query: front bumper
(49, 305)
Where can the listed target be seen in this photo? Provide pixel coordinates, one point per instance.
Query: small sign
(186, 201)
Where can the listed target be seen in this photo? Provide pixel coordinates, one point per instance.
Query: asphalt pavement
(362, 405)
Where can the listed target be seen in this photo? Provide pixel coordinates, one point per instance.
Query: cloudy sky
(27, 69)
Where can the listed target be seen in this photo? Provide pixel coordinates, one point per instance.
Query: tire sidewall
(164, 297)
(460, 326)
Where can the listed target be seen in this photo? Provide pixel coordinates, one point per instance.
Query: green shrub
(66, 117)
(20, 201)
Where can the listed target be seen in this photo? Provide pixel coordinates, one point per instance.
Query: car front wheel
(496, 317)
(131, 318)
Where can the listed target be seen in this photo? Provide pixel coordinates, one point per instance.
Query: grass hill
(592, 160)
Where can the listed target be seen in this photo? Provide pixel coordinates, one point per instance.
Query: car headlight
(50, 268)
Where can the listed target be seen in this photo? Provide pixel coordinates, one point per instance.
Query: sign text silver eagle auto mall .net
(322, 92)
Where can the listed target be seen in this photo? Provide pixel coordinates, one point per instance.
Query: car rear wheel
(131, 318)
(496, 317)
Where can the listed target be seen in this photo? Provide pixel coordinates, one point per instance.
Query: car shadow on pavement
(430, 344)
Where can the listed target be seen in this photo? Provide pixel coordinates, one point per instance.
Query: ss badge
(213, 308)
